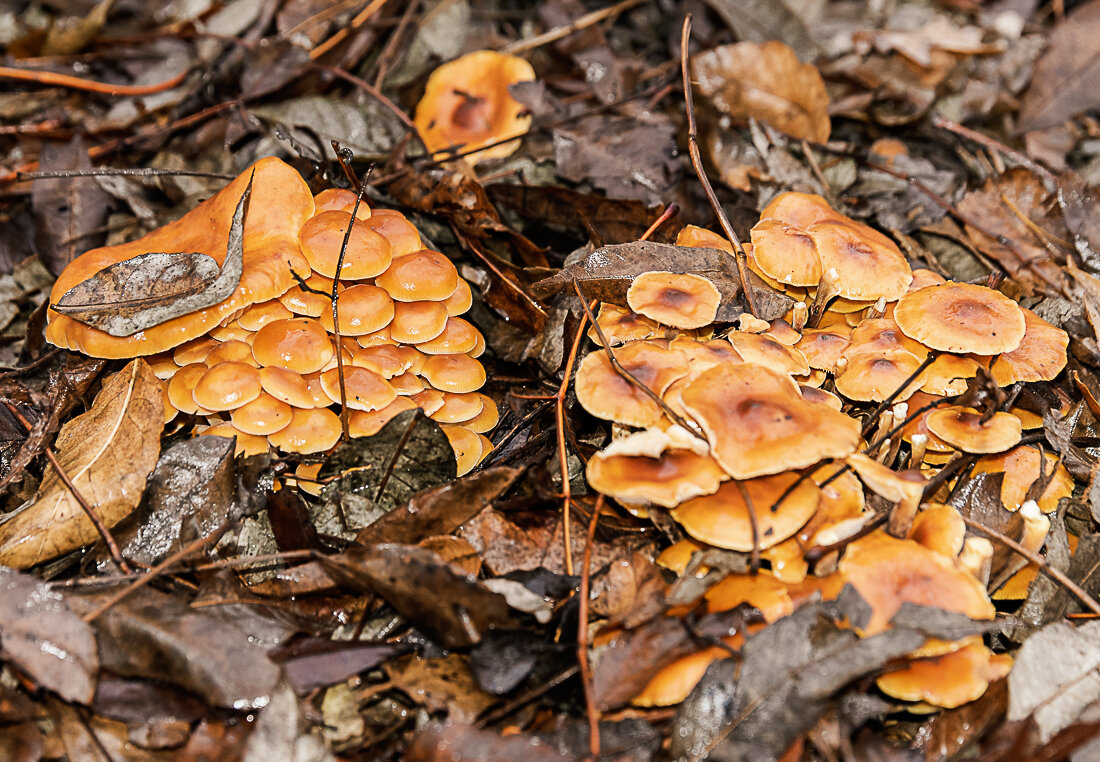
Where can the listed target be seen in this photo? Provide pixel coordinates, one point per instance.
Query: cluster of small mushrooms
(739, 440)
(262, 365)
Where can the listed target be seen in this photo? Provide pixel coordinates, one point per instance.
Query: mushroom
(467, 105)
(1021, 469)
(673, 299)
(947, 681)
(961, 318)
(963, 427)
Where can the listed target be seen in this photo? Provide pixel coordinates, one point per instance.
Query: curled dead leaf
(765, 81)
(107, 453)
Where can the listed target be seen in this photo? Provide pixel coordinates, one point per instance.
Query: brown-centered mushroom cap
(605, 394)
(785, 253)
(822, 347)
(762, 349)
(677, 300)
(279, 205)
(226, 386)
(298, 344)
(421, 276)
(882, 335)
(949, 374)
(872, 377)
(621, 325)
(962, 427)
(869, 269)
(758, 423)
(366, 255)
(453, 373)
(466, 103)
(962, 318)
(363, 309)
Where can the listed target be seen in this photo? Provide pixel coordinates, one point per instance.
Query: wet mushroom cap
(226, 386)
(962, 427)
(362, 309)
(458, 337)
(1021, 468)
(800, 209)
(368, 423)
(341, 200)
(247, 444)
(822, 347)
(363, 389)
(673, 299)
(620, 325)
(459, 408)
(962, 318)
(287, 386)
(421, 276)
(668, 480)
(387, 360)
(882, 335)
(940, 528)
(262, 416)
(366, 254)
(415, 322)
(487, 419)
(181, 386)
(309, 431)
(258, 315)
(871, 377)
(466, 103)
(468, 447)
(947, 681)
(460, 300)
(230, 351)
(607, 395)
(313, 300)
(723, 519)
(298, 344)
(762, 349)
(453, 373)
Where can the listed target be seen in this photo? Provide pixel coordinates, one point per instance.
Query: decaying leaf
(440, 685)
(767, 82)
(409, 454)
(450, 742)
(107, 453)
(46, 640)
(606, 275)
(763, 20)
(448, 604)
(66, 210)
(1055, 676)
(150, 289)
(1065, 76)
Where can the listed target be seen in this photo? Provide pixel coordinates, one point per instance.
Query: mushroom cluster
(262, 365)
(767, 439)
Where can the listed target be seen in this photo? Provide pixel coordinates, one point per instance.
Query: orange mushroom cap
(362, 308)
(368, 423)
(605, 394)
(468, 447)
(1020, 467)
(341, 200)
(621, 325)
(962, 318)
(466, 103)
(871, 377)
(947, 681)
(869, 269)
(421, 276)
(1040, 356)
(800, 209)
(962, 427)
(762, 349)
(366, 255)
(226, 386)
(279, 205)
(454, 373)
(298, 344)
(758, 423)
(309, 431)
(677, 300)
(415, 322)
(262, 416)
(363, 389)
(785, 253)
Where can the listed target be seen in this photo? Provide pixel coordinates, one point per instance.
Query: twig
(582, 636)
(754, 560)
(76, 83)
(565, 30)
(670, 211)
(370, 90)
(361, 18)
(697, 162)
(994, 145)
(889, 400)
(90, 512)
(395, 38)
(111, 171)
(1078, 592)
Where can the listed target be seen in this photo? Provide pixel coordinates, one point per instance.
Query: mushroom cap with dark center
(621, 325)
(822, 347)
(757, 422)
(366, 255)
(868, 268)
(605, 394)
(298, 344)
(961, 318)
(466, 103)
(962, 427)
(872, 377)
(678, 300)
(669, 479)
(722, 518)
(764, 350)
(420, 276)
(879, 336)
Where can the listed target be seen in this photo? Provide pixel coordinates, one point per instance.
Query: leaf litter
(406, 613)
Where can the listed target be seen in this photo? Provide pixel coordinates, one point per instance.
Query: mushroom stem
(1036, 528)
(799, 314)
(902, 515)
(919, 443)
(876, 310)
(977, 558)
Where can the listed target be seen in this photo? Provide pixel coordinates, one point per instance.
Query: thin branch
(557, 33)
(582, 636)
(697, 162)
(76, 83)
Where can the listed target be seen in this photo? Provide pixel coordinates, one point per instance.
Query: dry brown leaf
(1065, 76)
(108, 453)
(768, 82)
